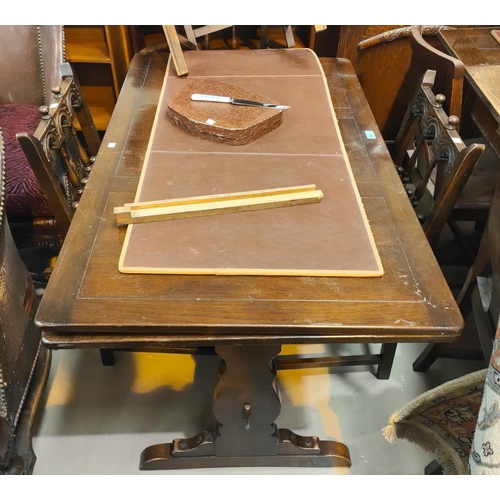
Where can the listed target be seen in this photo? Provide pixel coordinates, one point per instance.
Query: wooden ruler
(200, 206)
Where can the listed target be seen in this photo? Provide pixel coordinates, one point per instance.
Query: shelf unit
(100, 56)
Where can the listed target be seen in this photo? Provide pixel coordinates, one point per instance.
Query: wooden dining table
(244, 319)
(479, 50)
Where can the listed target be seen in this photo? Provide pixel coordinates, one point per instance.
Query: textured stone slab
(222, 122)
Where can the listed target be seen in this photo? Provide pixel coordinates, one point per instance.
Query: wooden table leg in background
(246, 404)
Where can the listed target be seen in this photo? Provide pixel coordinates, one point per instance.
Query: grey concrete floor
(97, 419)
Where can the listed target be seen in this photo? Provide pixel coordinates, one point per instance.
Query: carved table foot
(246, 404)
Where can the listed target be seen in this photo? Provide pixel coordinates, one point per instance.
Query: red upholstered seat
(24, 195)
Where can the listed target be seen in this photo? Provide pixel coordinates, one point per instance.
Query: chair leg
(175, 50)
(428, 356)
(387, 353)
(107, 357)
(263, 37)
(484, 324)
(433, 469)
(290, 40)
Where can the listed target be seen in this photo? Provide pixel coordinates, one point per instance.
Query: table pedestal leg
(246, 404)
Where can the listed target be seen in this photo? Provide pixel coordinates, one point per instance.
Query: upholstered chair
(47, 158)
(24, 362)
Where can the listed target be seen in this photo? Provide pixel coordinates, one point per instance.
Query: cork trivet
(222, 122)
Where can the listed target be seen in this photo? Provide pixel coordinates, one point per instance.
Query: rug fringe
(445, 456)
(446, 388)
(389, 432)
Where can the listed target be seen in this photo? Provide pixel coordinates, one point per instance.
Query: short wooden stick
(180, 208)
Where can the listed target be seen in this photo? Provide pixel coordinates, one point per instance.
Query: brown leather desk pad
(330, 238)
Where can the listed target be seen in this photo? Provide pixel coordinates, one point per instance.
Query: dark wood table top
(480, 53)
(89, 303)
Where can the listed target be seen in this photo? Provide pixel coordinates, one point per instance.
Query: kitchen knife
(232, 100)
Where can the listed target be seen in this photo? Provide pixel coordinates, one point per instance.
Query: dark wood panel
(350, 37)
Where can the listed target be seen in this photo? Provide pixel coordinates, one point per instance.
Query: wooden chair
(479, 296)
(24, 362)
(433, 161)
(475, 199)
(390, 65)
(176, 41)
(47, 159)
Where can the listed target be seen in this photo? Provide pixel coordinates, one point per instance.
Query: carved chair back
(47, 159)
(433, 161)
(391, 63)
(449, 71)
(56, 153)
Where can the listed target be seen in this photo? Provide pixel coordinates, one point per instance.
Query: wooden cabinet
(100, 56)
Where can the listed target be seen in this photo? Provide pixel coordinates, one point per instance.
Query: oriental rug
(442, 421)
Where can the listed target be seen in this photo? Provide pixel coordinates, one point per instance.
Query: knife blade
(232, 100)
